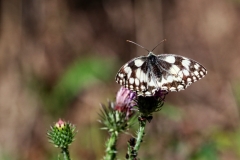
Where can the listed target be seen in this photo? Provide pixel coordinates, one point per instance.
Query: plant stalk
(134, 148)
(140, 134)
(66, 155)
(111, 146)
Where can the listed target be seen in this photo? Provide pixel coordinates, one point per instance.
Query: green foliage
(83, 73)
(227, 141)
(207, 151)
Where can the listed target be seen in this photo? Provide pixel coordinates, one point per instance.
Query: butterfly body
(167, 72)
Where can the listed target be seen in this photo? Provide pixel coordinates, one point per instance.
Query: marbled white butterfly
(167, 72)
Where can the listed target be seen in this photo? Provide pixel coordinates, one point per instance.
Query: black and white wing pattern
(148, 74)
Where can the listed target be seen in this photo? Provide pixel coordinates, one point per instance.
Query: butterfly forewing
(182, 73)
(148, 74)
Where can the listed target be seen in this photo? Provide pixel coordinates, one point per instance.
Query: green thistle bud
(62, 134)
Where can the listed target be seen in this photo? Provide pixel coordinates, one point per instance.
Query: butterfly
(146, 75)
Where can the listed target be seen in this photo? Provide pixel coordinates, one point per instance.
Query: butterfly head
(152, 57)
(150, 53)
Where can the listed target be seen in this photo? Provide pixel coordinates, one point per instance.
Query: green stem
(111, 147)
(140, 134)
(66, 155)
(133, 150)
(130, 152)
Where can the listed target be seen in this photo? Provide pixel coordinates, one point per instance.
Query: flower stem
(66, 155)
(111, 146)
(134, 144)
(140, 135)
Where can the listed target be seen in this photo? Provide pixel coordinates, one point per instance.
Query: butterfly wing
(134, 75)
(169, 72)
(179, 73)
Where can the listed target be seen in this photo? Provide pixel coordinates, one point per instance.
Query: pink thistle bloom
(125, 101)
(60, 124)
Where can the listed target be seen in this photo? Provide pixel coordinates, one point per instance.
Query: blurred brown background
(58, 59)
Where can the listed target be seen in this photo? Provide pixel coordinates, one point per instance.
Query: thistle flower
(125, 101)
(117, 117)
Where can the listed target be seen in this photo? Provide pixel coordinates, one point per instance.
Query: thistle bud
(62, 134)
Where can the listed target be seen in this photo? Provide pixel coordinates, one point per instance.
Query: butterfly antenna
(138, 45)
(158, 44)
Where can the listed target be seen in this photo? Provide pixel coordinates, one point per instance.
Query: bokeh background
(58, 59)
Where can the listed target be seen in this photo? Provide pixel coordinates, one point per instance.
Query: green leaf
(83, 73)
